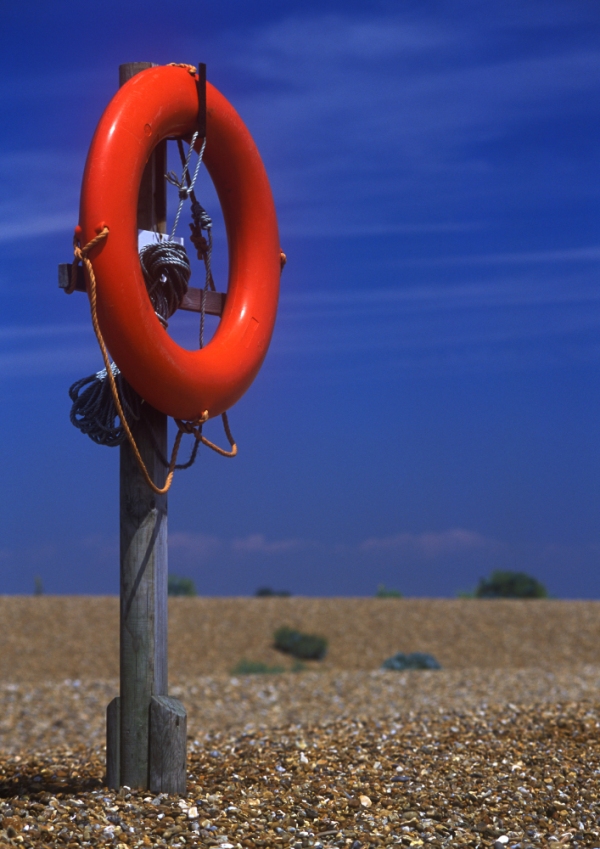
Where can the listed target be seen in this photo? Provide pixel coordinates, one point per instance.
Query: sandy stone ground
(60, 637)
(498, 749)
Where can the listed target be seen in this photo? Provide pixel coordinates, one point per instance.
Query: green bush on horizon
(181, 586)
(507, 584)
(267, 592)
(387, 592)
(302, 646)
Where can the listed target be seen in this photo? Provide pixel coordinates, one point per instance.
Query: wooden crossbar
(192, 300)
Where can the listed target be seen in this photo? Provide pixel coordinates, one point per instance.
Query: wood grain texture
(113, 744)
(143, 631)
(168, 745)
(214, 303)
(143, 535)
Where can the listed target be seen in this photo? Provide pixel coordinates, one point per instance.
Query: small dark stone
(415, 660)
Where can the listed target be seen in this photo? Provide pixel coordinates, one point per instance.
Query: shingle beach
(499, 748)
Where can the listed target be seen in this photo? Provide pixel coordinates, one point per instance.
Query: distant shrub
(255, 667)
(510, 585)
(387, 592)
(181, 586)
(267, 592)
(414, 660)
(302, 646)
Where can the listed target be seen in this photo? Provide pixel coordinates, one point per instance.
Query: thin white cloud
(486, 318)
(258, 544)
(204, 546)
(574, 255)
(429, 546)
(307, 229)
(39, 193)
(194, 544)
(505, 292)
(49, 361)
(359, 115)
(26, 227)
(39, 331)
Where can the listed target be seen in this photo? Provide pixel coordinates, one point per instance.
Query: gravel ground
(481, 756)
(496, 776)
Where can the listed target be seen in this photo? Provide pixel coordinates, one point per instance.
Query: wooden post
(138, 755)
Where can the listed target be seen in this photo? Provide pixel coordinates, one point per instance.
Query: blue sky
(428, 410)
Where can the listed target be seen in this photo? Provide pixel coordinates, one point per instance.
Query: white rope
(185, 190)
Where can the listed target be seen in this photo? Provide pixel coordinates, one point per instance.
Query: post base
(113, 744)
(167, 746)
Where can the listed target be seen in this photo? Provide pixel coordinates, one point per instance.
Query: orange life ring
(155, 104)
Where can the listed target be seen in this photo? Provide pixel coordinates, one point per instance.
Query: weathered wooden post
(146, 730)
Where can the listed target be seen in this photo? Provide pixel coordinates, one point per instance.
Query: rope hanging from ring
(94, 411)
(82, 255)
(101, 399)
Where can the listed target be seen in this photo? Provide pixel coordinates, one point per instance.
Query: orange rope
(190, 68)
(81, 254)
(194, 428)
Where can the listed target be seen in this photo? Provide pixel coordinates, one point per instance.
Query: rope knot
(199, 242)
(81, 255)
(201, 216)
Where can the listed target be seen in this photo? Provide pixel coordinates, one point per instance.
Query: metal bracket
(201, 86)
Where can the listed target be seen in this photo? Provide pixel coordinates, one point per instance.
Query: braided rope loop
(194, 427)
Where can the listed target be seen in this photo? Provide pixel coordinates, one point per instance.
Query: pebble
(507, 776)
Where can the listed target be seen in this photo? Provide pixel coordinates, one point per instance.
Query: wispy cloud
(431, 545)
(574, 255)
(40, 193)
(417, 97)
(194, 544)
(492, 318)
(258, 544)
(46, 349)
(205, 546)
(40, 331)
(47, 361)
(26, 227)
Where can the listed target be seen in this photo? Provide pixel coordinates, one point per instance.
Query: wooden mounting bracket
(192, 300)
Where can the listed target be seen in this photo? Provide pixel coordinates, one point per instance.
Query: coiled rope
(94, 411)
(81, 254)
(98, 400)
(167, 270)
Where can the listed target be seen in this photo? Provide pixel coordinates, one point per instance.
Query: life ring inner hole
(184, 326)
